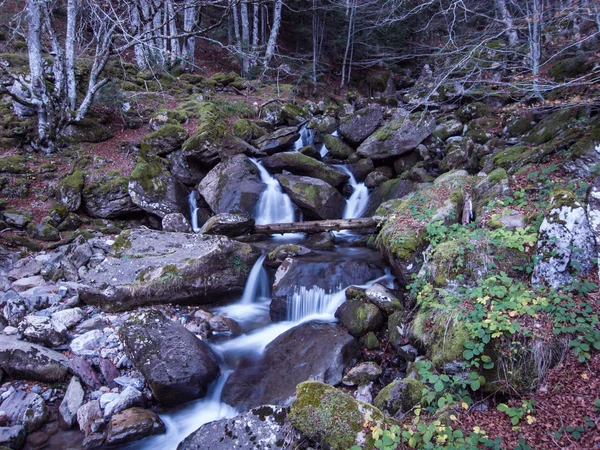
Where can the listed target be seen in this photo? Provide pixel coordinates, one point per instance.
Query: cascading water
(358, 201)
(274, 205)
(307, 137)
(193, 211)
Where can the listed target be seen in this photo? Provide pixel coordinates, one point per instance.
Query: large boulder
(177, 366)
(158, 267)
(299, 164)
(23, 360)
(228, 225)
(27, 409)
(202, 149)
(359, 317)
(388, 190)
(155, 190)
(398, 136)
(133, 424)
(311, 351)
(108, 197)
(360, 125)
(166, 139)
(566, 244)
(277, 141)
(322, 278)
(262, 428)
(316, 198)
(232, 187)
(87, 130)
(399, 396)
(585, 153)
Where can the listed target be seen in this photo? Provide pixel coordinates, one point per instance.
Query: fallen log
(316, 226)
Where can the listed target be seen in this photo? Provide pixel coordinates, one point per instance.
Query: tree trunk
(245, 37)
(72, 12)
(255, 26)
(274, 33)
(349, 40)
(534, 26)
(507, 19)
(175, 54)
(189, 43)
(317, 226)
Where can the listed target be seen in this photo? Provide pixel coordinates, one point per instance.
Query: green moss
(111, 184)
(337, 148)
(73, 182)
(562, 198)
(571, 68)
(147, 172)
(384, 132)
(370, 341)
(472, 111)
(121, 243)
(13, 164)
(497, 175)
(224, 79)
(444, 336)
(212, 126)
(290, 111)
(508, 159)
(400, 395)
(168, 131)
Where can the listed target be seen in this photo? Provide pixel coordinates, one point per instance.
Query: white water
(193, 211)
(358, 201)
(307, 137)
(274, 206)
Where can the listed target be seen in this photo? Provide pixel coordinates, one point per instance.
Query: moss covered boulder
(316, 198)
(108, 197)
(87, 130)
(293, 114)
(247, 130)
(337, 148)
(359, 317)
(323, 124)
(69, 190)
(333, 418)
(204, 145)
(15, 164)
(584, 154)
(357, 127)
(299, 164)
(460, 153)
(233, 186)
(389, 190)
(43, 232)
(472, 111)
(400, 396)
(228, 225)
(166, 139)
(277, 141)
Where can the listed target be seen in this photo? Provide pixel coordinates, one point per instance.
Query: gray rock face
(27, 409)
(262, 428)
(399, 136)
(72, 401)
(87, 415)
(363, 373)
(28, 361)
(381, 297)
(277, 141)
(126, 399)
(176, 223)
(13, 437)
(177, 366)
(299, 164)
(314, 350)
(159, 267)
(583, 166)
(330, 277)
(133, 424)
(111, 203)
(166, 139)
(161, 195)
(389, 190)
(88, 344)
(42, 330)
(228, 225)
(593, 210)
(67, 318)
(357, 127)
(566, 245)
(316, 198)
(232, 187)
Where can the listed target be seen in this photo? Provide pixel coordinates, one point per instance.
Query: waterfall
(357, 203)
(274, 205)
(257, 285)
(307, 137)
(193, 211)
(313, 301)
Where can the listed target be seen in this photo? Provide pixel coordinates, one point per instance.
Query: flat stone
(24, 284)
(133, 424)
(27, 409)
(88, 344)
(24, 360)
(71, 402)
(85, 371)
(126, 399)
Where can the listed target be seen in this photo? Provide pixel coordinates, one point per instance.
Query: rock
(409, 160)
(472, 111)
(320, 241)
(314, 350)
(316, 198)
(398, 136)
(27, 409)
(133, 424)
(109, 372)
(107, 398)
(25, 284)
(381, 297)
(22, 360)
(337, 148)
(593, 210)
(277, 141)
(202, 149)
(88, 344)
(359, 317)
(13, 437)
(176, 223)
(87, 415)
(232, 187)
(43, 232)
(108, 198)
(585, 154)
(93, 323)
(159, 267)
(247, 130)
(126, 399)
(315, 279)
(87, 130)
(155, 190)
(389, 190)
(361, 168)
(333, 418)
(566, 245)
(364, 393)
(228, 225)
(125, 381)
(166, 139)
(448, 127)
(67, 318)
(42, 330)
(264, 427)
(375, 179)
(399, 396)
(177, 366)
(71, 402)
(396, 329)
(85, 371)
(282, 252)
(78, 253)
(299, 164)
(17, 219)
(362, 374)
(360, 125)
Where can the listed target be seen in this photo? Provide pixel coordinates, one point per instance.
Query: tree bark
(507, 19)
(274, 33)
(72, 13)
(189, 43)
(245, 37)
(317, 226)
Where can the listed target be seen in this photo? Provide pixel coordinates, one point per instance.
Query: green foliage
(516, 414)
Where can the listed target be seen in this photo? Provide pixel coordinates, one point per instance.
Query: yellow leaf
(531, 419)
(476, 429)
(513, 313)
(453, 418)
(585, 376)
(464, 405)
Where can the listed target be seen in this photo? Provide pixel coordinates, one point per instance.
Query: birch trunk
(245, 37)
(534, 27)
(72, 13)
(349, 41)
(189, 43)
(255, 24)
(507, 19)
(274, 32)
(174, 41)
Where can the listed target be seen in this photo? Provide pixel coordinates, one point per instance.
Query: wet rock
(360, 125)
(316, 198)
(375, 179)
(23, 360)
(389, 190)
(299, 164)
(337, 148)
(232, 187)
(126, 399)
(228, 225)
(175, 267)
(277, 141)
(67, 318)
(282, 252)
(359, 317)
(321, 241)
(108, 198)
(166, 139)
(264, 427)
(133, 424)
(13, 437)
(398, 136)
(566, 245)
(176, 222)
(361, 168)
(383, 298)
(177, 366)
(314, 350)
(27, 409)
(88, 344)
(71, 402)
(362, 374)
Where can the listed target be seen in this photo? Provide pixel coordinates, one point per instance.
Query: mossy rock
(400, 396)
(208, 139)
(370, 341)
(359, 317)
(554, 125)
(166, 139)
(13, 164)
(472, 111)
(247, 130)
(481, 130)
(333, 418)
(444, 336)
(224, 79)
(148, 173)
(521, 125)
(293, 114)
(337, 148)
(395, 324)
(43, 232)
(571, 68)
(514, 158)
